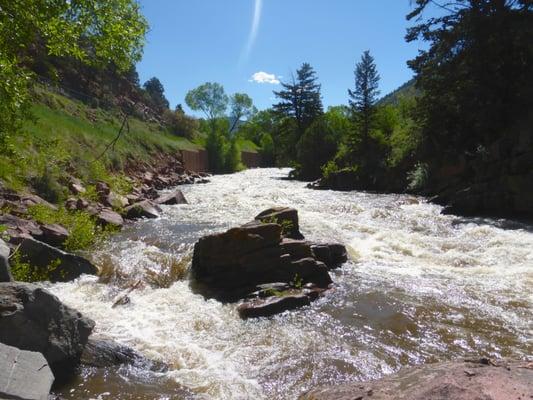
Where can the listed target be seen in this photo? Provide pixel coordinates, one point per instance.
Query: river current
(419, 287)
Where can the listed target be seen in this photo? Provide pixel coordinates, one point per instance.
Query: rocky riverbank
(42, 340)
(479, 379)
(43, 246)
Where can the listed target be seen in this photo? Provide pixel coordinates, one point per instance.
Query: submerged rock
(102, 353)
(24, 375)
(272, 305)
(460, 380)
(33, 319)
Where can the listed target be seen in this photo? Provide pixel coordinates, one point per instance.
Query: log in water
(419, 287)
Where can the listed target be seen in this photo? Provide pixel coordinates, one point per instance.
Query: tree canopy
(96, 32)
(156, 91)
(475, 78)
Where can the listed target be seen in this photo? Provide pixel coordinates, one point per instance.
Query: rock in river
(233, 263)
(33, 319)
(239, 263)
(284, 216)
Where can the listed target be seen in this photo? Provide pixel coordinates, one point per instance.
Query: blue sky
(228, 41)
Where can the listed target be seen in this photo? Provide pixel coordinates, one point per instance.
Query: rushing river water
(419, 287)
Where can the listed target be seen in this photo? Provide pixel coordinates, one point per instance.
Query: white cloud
(265, 77)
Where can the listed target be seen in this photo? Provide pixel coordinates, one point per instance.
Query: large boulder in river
(5, 271)
(33, 319)
(24, 375)
(233, 263)
(480, 379)
(284, 216)
(56, 265)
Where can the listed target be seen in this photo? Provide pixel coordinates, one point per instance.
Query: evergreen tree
(301, 102)
(476, 77)
(156, 91)
(301, 99)
(363, 98)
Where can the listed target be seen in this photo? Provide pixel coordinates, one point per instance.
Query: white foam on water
(420, 286)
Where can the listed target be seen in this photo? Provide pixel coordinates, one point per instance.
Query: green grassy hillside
(66, 137)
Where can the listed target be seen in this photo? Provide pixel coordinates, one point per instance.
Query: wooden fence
(198, 161)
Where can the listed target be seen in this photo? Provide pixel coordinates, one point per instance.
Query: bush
(84, 231)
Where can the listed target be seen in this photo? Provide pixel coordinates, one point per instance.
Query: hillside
(68, 137)
(408, 89)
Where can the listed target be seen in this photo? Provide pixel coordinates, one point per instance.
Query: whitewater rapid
(419, 287)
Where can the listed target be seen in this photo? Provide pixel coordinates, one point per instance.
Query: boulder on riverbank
(24, 375)
(238, 263)
(461, 380)
(35, 320)
(57, 265)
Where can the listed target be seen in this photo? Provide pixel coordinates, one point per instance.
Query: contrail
(253, 32)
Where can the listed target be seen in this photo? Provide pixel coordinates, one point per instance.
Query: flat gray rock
(24, 375)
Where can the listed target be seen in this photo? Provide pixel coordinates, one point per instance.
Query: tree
(475, 78)
(242, 106)
(96, 32)
(211, 99)
(156, 91)
(301, 99)
(363, 97)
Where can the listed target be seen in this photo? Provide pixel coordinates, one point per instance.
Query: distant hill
(408, 89)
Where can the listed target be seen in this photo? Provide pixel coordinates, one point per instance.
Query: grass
(66, 136)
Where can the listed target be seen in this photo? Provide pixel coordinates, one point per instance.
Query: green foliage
(84, 231)
(297, 282)
(181, 124)
(242, 106)
(22, 271)
(95, 32)
(418, 177)
(156, 91)
(63, 141)
(315, 148)
(475, 77)
(286, 225)
(211, 99)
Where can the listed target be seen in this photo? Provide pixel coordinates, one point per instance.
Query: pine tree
(363, 97)
(301, 99)
(156, 91)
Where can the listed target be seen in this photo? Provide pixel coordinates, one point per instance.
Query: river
(419, 287)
